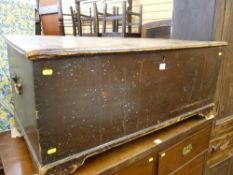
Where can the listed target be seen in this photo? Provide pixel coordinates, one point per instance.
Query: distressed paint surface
(16, 17)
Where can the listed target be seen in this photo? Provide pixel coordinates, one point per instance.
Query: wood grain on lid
(39, 47)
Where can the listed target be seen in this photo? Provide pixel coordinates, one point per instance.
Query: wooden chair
(50, 12)
(82, 21)
(124, 20)
(37, 19)
(51, 20)
(74, 20)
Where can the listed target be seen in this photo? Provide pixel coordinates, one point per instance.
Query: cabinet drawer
(142, 167)
(177, 155)
(195, 167)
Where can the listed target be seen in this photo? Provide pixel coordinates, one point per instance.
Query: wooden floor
(16, 156)
(1, 171)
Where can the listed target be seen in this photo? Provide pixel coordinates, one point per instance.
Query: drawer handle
(187, 149)
(17, 84)
(215, 148)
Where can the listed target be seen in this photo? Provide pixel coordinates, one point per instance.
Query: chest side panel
(22, 83)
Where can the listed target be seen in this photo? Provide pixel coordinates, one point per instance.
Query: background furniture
(155, 154)
(54, 22)
(157, 29)
(82, 21)
(50, 12)
(37, 19)
(52, 19)
(213, 20)
(124, 20)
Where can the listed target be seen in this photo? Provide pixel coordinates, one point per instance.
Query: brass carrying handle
(187, 149)
(17, 84)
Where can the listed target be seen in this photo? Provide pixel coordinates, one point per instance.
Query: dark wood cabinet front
(182, 153)
(195, 167)
(142, 167)
(224, 167)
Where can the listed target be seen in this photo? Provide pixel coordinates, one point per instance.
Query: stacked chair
(122, 21)
(50, 19)
(82, 21)
(50, 16)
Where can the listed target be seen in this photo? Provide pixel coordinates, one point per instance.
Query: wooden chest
(77, 97)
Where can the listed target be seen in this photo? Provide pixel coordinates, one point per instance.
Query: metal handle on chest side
(17, 84)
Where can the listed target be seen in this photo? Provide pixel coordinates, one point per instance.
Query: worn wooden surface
(221, 154)
(15, 156)
(47, 46)
(224, 167)
(195, 167)
(224, 98)
(195, 144)
(104, 95)
(142, 148)
(131, 158)
(221, 145)
(209, 20)
(105, 99)
(1, 167)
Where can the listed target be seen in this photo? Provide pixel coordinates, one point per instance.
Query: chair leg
(140, 20)
(96, 19)
(73, 21)
(91, 21)
(124, 19)
(129, 19)
(104, 19)
(114, 21)
(78, 16)
(117, 22)
(61, 20)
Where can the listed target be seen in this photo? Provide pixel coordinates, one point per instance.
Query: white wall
(155, 10)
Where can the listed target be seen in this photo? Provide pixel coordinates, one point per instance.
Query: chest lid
(42, 47)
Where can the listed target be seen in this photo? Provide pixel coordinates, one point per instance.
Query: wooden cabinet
(195, 167)
(221, 144)
(221, 168)
(141, 167)
(184, 153)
